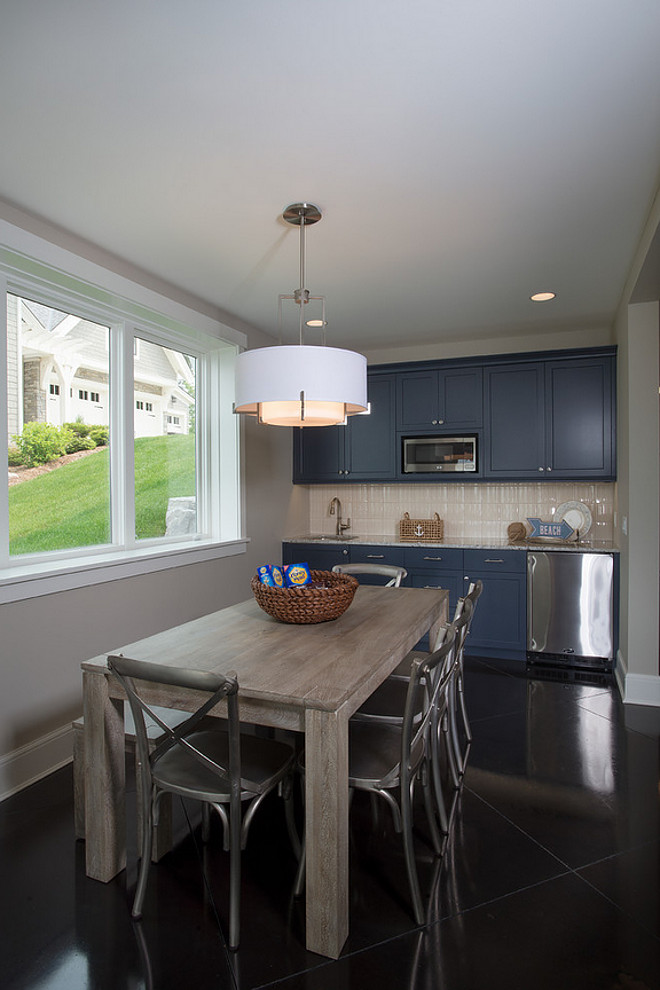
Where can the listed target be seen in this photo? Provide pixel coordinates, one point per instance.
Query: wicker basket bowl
(307, 605)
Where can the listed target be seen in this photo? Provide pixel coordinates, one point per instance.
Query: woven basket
(421, 529)
(307, 605)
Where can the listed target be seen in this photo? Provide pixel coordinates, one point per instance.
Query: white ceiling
(465, 153)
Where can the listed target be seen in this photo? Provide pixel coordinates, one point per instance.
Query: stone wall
(34, 399)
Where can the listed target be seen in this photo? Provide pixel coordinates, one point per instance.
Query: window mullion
(4, 428)
(122, 456)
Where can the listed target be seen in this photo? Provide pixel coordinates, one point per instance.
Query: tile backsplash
(468, 510)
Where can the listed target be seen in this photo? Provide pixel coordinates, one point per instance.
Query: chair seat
(374, 754)
(263, 763)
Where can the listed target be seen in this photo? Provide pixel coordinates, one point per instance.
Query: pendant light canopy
(301, 385)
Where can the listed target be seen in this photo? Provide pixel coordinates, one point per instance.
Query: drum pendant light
(299, 384)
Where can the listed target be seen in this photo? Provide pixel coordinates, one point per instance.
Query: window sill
(35, 580)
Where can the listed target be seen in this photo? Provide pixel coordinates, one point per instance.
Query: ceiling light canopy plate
(302, 213)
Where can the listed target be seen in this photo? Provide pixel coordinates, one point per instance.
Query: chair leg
(435, 774)
(234, 877)
(148, 805)
(428, 806)
(409, 852)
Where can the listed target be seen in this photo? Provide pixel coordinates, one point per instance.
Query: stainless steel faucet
(335, 507)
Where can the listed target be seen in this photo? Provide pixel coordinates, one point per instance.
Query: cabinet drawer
(437, 558)
(364, 554)
(485, 561)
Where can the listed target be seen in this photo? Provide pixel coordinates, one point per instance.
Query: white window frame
(35, 268)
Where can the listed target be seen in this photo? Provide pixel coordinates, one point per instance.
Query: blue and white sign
(553, 530)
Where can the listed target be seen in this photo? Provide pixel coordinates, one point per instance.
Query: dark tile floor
(550, 878)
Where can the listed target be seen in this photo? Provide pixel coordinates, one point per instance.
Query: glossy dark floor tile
(549, 877)
(560, 935)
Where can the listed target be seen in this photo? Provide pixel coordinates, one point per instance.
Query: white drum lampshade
(301, 385)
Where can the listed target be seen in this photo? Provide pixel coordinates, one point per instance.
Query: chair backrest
(216, 687)
(462, 622)
(392, 571)
(430, 676)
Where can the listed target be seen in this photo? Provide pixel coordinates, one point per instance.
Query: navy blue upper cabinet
(550, 419)
(514, 437)
(542, 416)
(444, 399)
(579, 411)
(363, 450)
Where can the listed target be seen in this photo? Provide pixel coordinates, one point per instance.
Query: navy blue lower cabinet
(320, 557)
(499, 628)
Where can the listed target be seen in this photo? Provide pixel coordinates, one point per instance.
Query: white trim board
(642, 689)
(35, 760)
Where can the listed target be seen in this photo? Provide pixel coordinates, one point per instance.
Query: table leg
(326, 824)
(105, 802)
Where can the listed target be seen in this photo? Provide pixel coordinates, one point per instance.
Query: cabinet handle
(541, 469)
(375, 556)
(432, 587)
(431, 558)
(493, 560)
(434, 422)
(549, 469)
(440, 422)
(345, 553)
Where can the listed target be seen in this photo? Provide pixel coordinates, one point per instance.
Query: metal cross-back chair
(469, 602)
(220, 767)
(395, 573)
(387, 704)
(386, 759)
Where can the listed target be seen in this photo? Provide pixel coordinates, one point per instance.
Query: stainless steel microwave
(431, 455)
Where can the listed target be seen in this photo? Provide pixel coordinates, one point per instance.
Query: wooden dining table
(307, 678)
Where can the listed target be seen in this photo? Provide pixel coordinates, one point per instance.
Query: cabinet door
(418, 401)
(499, 627)
(579, 415)
(450, 399)
(320, 557)
(370, 440)
(318, 454)
(461, 398)
(515, 425)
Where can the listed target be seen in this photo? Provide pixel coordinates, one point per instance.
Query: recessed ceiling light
(316, 323)
(543, 296)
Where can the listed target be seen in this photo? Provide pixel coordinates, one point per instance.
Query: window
(121, 487)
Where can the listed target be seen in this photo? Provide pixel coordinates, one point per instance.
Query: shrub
(79, 428)
(40, 443)
(15, 458)
(73, 443)
(100, 435)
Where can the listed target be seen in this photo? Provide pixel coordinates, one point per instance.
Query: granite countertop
(465, 543)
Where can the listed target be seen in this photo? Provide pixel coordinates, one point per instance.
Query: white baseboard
(642, 689)
(35, 760)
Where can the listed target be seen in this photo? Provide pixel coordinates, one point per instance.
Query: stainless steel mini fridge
(570, 607)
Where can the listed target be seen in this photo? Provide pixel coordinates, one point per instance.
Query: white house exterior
(61, 374)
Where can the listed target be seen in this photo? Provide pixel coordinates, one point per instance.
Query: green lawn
(70, 507)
